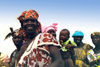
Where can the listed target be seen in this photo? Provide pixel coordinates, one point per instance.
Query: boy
(67, 47)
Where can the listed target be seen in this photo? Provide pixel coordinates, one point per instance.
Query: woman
(80, 52)
(39, 46)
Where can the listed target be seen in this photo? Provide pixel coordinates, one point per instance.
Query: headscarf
(46, 28)
(31, 14)
(95, 34)
(78, 33)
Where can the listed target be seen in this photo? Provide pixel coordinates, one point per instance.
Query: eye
(24, 23)
(33, 20)
(26, 20)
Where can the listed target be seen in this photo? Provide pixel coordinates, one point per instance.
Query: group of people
(37, 46)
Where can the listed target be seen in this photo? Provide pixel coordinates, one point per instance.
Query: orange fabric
(28, 14)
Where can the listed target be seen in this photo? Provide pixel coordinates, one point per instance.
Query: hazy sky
(74, 15)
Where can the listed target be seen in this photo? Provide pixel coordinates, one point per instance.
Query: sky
(83, 15)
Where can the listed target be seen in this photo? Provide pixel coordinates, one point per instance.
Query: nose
(61, 37)
(95, 39)
(29, 22)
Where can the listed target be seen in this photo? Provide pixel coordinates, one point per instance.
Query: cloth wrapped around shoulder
(39, 54)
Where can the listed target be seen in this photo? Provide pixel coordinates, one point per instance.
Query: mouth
(78, 40)
(61, 41)
(30, 28)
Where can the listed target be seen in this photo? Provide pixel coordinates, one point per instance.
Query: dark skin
(58, 62)
(18, 41)
(96, 42)
(78, 40)
(52, 31)
(55, 53)
(80, 44)
(30, 27)
(64, 36)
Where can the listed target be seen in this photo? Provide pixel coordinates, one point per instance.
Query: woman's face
(30, 25)
(96, 40)
(52, 31)
(78, 39)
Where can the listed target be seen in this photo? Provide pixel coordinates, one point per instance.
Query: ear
(69, 36)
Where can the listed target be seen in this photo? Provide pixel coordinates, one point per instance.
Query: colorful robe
(94, 58)
(37, 54)
(81, 55)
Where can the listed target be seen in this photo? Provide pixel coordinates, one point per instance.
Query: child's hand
(70, 46)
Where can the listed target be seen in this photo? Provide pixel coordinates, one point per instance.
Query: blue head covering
(78, 33)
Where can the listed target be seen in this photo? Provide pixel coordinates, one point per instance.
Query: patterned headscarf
(95, 34)
(31, 14)
(46, 28)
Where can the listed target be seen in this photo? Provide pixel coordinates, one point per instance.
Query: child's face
(17, 40)
(64, 36)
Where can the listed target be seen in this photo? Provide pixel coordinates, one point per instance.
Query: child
(67, 47)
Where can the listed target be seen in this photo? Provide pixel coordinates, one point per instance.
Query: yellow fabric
(98, 56)
(80, 55)
(64, 48)
(78, 63)
(3, 66)
(3, 57)
(3, 60)
(65, 44)
(83, 53)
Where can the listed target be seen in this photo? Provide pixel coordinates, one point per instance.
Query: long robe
(37, 54)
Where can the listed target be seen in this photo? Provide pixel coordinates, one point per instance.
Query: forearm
(57, 62)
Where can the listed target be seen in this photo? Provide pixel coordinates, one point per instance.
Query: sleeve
(91, 56)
